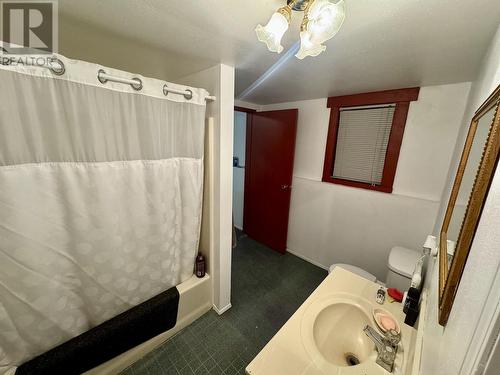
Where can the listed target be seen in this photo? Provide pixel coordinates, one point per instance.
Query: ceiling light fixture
(322, 20)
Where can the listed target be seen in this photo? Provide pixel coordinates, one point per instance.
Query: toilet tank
(401, 263)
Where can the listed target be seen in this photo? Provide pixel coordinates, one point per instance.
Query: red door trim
(243, 109)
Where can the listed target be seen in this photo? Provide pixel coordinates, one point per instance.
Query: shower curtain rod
(136, 84)
(103, 77)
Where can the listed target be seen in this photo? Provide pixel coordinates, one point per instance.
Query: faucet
(386, 346)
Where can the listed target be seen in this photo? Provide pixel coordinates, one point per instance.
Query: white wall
(217, 219)
(79, 40)
(240, 128)
(453, 349)
(339, 224)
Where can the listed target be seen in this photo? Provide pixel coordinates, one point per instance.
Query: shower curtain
(100, 200)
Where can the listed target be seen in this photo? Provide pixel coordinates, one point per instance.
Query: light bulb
(322, 21)
(273, 32)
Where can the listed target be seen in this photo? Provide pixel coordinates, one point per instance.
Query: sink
(338, 334)
(326, 335)
(332, 332)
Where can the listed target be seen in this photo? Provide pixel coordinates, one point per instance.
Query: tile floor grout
(262, 303)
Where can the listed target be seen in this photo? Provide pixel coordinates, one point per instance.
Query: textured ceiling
(383, 44)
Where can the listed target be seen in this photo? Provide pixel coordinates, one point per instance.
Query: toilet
(356, 270)
(401, 263)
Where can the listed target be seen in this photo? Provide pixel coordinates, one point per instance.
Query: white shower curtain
(100, 200)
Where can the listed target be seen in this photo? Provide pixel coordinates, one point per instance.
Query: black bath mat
(108, 339)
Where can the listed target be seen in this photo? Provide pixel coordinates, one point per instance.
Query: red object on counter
(396, 294)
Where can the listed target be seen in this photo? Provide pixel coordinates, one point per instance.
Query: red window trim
(402, 99)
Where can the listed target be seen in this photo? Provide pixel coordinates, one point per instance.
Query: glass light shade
(325, 19)
(272, 33)
(307, 47)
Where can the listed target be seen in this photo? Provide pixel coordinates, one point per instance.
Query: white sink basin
(338, 334)
(332, 331)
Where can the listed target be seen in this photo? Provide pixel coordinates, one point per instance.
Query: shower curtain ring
(137, 86)
(189, 94)
(57, 71)
(100, 77)
(135, 83)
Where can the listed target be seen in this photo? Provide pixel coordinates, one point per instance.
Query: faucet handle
(392, 337)
(386, 351)
(388, 355)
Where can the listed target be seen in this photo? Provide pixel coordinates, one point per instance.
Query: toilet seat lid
(402, 261)
(356, 270)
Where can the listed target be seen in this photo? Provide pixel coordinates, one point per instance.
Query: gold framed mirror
(472, 181)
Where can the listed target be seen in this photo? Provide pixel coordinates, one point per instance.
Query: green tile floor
(267, 288)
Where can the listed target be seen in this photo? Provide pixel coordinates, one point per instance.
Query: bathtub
(195, 299)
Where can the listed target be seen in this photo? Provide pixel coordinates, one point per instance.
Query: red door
(270, 148)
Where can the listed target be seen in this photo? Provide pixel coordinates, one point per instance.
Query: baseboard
(317, 264)
(223, 310)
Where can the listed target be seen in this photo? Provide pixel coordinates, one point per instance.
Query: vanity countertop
(287, 353)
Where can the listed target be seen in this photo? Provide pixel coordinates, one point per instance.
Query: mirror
(474, 174)
(469, 175)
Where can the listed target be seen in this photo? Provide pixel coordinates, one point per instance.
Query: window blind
(362, 139)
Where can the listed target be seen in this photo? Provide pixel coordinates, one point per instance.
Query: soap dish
(385, 320)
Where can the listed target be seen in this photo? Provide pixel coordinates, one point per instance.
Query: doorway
(239, 149)
(264, 148)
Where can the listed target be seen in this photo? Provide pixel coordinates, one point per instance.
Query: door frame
(248, 159)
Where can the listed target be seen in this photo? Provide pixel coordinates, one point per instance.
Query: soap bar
(387, 322)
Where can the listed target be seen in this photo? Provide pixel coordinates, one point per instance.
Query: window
(364, 138)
